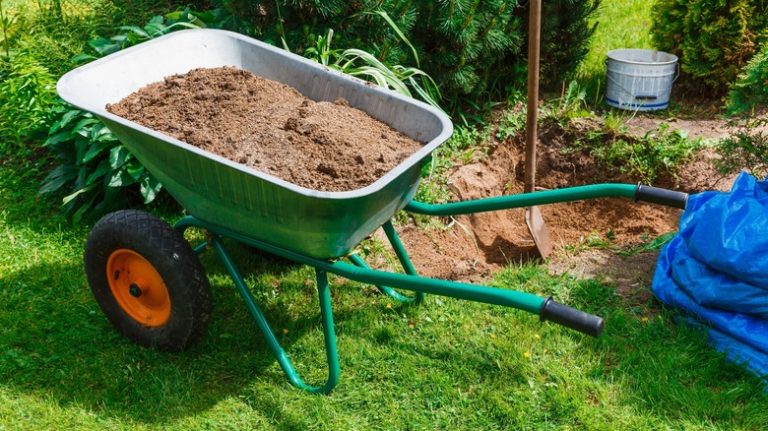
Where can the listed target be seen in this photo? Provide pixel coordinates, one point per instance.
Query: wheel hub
(134, 290)
(138, 288)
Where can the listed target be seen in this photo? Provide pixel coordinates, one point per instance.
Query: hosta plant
(96, 172)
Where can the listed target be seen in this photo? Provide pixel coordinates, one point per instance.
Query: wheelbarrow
(148, 279)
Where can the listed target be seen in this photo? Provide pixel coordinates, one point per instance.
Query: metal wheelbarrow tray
(149, 281)
(253, 203)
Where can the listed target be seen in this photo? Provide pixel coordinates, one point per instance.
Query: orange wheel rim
(138, 288)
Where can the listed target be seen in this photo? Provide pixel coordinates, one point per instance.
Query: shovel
(533, 218)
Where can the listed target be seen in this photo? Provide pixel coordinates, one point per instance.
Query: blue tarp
(716, 269)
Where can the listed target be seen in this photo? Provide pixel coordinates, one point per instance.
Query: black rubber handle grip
(572, 318)
(659, 196)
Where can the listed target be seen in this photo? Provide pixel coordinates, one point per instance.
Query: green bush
(565, 36)
(97, 173)
(656, 154)
(36, 46)
(751, 88)
(474, 49)
(746, 149)
(27, 91)
(713, 38)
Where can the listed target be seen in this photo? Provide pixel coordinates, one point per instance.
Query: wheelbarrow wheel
(147, 280)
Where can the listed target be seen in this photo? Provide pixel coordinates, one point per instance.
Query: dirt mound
(560, 165)
(270, 127)
(474, 246)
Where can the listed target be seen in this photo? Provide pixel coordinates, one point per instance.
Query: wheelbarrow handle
(568, 194)
(660, 196)
(571, 318)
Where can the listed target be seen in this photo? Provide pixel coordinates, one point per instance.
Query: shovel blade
(539, 231)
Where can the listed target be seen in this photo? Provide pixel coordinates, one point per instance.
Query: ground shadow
(56, 341)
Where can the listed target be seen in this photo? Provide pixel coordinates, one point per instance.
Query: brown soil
(474, 246)
(270, 127)
(706, 128)
(631, 274)
(714, 128)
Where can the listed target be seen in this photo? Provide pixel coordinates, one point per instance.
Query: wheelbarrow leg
(326, 313)
(405, 261)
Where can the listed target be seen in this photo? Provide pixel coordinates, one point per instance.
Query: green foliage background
(751, 88)
(474, 49)
(713, 38)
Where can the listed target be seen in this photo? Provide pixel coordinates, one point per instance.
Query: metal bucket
(640, 79)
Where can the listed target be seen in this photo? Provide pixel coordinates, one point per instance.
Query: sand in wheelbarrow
(270, 127)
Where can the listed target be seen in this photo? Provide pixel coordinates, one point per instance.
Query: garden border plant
(95, 170)
(750, 90)
(656, 154)
(745, 149)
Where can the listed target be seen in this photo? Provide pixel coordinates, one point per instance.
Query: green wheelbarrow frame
(312, 227)
(386, 282)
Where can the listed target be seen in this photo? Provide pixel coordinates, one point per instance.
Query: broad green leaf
(78, 215)
(81, 146)
(134, 169)
(58, 138)
(118, 156)
(82, 126)
(138, 30)
(101, 170)
(94, 149)
(155, 30)
(98, 130)
(65, 120)
(120, 39)
(121, 179)
(150, 187)
(104, 46)
(182, 25)
(83, 58)
(106, 136)
(57, 178)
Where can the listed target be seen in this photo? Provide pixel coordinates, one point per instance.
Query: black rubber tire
(173, 258)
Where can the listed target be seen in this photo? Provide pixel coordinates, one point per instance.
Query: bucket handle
(641, 96)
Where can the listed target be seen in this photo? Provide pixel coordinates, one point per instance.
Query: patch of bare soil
(631, 274)
(270, 127)
(699, 174)
(706, 128)
(476, 245)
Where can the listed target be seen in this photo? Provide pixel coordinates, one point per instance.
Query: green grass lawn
(446, 365)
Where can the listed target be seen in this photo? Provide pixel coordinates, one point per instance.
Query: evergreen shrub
(751, 88)
(713, 38)
(475, 50)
